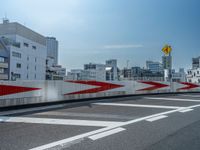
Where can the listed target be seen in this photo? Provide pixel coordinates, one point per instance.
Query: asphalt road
(162, 122)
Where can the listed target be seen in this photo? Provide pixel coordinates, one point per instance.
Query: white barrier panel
(14, 93)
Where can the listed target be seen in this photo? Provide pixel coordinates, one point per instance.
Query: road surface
(156, 122)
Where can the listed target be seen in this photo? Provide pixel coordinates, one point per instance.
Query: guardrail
(13, 93)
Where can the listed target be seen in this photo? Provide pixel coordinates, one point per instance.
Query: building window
(16, 54)
(35, 76)
(34, 47)
(26, 44)
(2, 59)
(27, 76)
(27, 67)
(197, 72)
(18, 65)
(35, 59)
(35, 68)
(1, 70)
(28, 58)
(17, 75)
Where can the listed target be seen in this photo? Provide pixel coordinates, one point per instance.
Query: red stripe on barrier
(188, 86)
(10, 89)
(155, 85)
(102, 86)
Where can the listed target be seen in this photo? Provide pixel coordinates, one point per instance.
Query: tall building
(167, 62)
(54, 71)
(154, 67)
(23, 52)
(52, 49)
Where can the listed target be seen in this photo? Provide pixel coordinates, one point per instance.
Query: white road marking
(106, 133)
(84, 135)
(156, 118)
(172, 99)
(185, 110)
(60, 121)
(138, 105)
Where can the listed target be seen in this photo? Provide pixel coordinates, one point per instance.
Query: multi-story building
(24, 51)
(167, 62)
(137, 73)
(179, 76)
(52, 49)
(53, 70)
(112, 72)
(196, 62)
(193, 75)
(94, 72)
(4, 55)
(154, 67)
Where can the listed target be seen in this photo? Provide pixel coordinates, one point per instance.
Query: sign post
(168, 61)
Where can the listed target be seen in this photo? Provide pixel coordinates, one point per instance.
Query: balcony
(3, 65)
(3, 76)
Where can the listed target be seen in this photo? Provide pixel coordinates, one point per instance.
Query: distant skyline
(97, 30)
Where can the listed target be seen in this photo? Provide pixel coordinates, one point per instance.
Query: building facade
(154, 67)
(52, 49)
(26, 51)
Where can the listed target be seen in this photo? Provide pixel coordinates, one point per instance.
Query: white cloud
(122, 46)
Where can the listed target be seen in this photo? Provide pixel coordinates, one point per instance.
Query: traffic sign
(167, 49)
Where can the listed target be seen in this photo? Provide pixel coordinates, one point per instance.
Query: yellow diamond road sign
(167, 49)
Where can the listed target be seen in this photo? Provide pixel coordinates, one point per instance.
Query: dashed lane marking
(138, 105)
(185, 110)
(60, 121)
(104, 134)
(156, 118)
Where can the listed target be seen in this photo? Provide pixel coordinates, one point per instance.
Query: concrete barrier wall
(14, 93)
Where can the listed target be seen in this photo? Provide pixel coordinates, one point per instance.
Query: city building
(112, 72)
(54, 71)
(193, 75)
(23, 52)
(98, 72)
(154, 67)
(94, 71)
(4, 55)
(137, 73)
(75, 74)
(52, 49)
(179, 76)
(196, 62)
(167, 62)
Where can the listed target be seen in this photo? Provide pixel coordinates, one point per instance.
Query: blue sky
(96, 30)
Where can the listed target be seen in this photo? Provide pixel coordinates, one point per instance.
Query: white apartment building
(95, 72)
(26, 49)
(193, 75)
